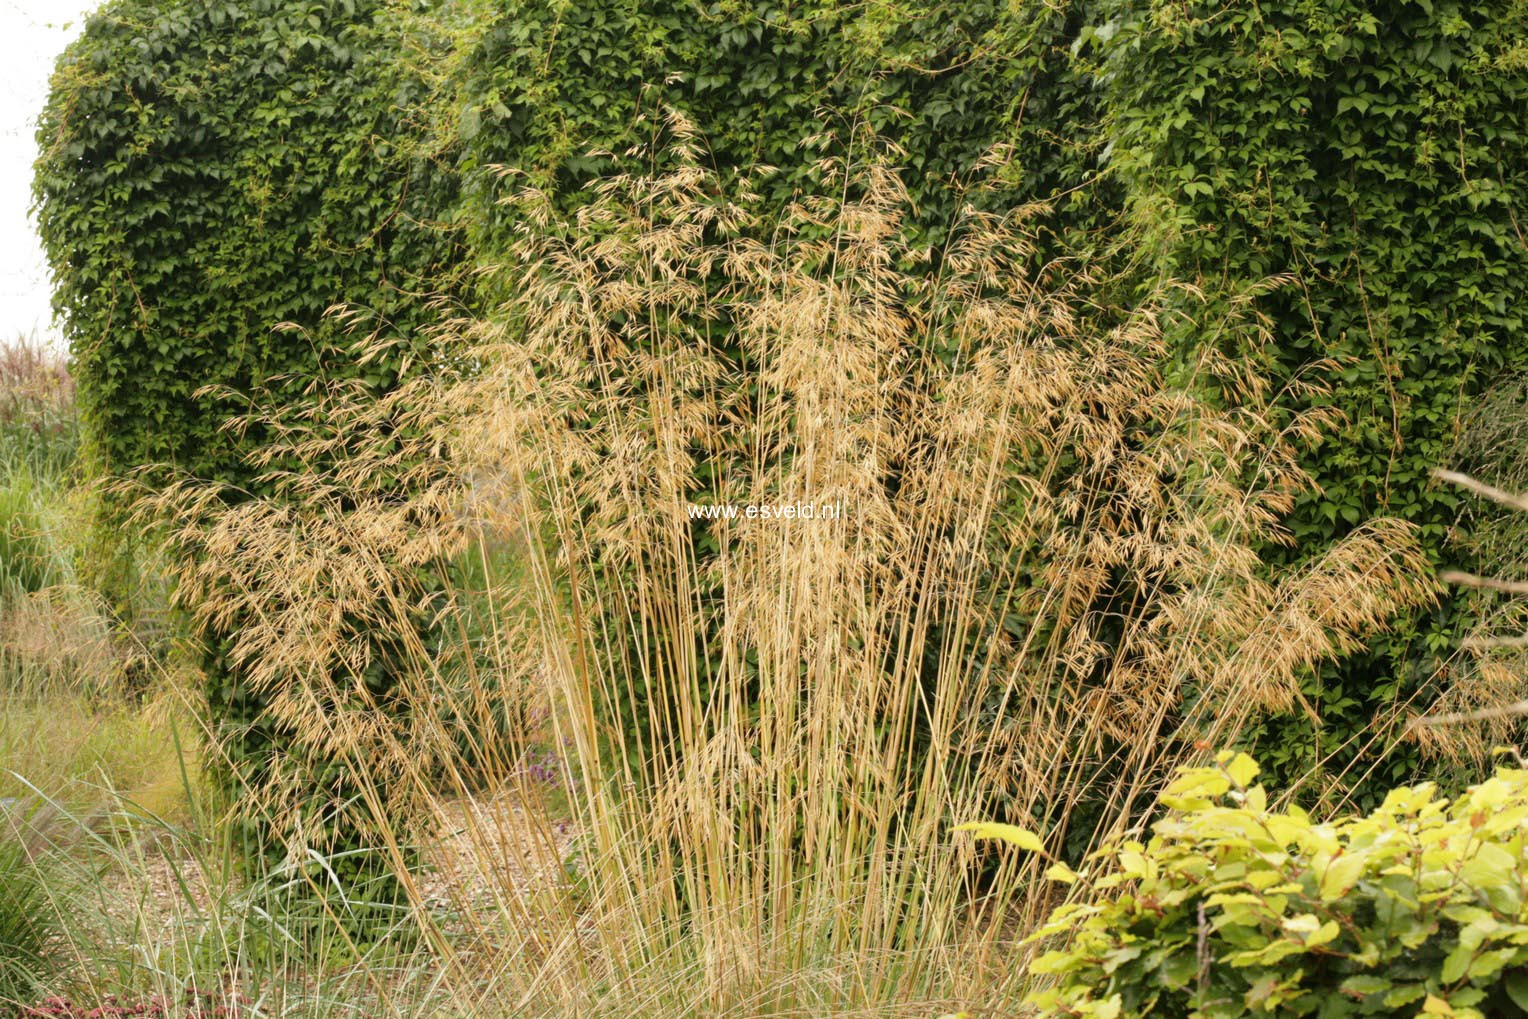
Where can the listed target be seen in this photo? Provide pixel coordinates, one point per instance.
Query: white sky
(32, 34)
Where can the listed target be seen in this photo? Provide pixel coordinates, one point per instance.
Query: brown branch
(1494, 643)
(1481, 715)
(1463, 579)
(1480, 488)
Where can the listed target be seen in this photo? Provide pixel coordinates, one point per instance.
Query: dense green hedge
(558, 90)
(209, 170)
(1374, 153)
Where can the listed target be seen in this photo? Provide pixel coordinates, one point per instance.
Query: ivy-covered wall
(208, 171)
(1373, 154)
(211, 169)
(550, 84)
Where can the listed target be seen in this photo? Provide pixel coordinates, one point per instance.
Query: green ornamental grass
(30, 943)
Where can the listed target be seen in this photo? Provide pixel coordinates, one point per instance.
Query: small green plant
(1233, 908)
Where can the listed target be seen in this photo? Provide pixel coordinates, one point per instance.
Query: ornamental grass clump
(1234, 908)
(1042, 589)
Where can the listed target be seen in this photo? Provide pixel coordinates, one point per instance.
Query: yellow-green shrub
(1236, 909)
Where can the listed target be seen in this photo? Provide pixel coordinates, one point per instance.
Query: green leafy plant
(1237, 908)
(568, 93)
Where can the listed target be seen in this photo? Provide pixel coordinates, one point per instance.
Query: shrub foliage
(569, 93)
(1234, 908)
